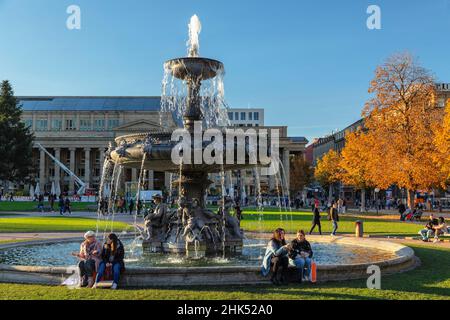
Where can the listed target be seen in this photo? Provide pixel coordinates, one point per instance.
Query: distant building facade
(242, 117)
(78, 130)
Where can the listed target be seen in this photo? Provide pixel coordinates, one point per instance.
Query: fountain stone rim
(228, 275)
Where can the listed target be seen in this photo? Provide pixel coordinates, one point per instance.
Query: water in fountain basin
(58, 254)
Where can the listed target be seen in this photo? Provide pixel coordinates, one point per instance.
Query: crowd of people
(6, 196)
(64, 203)
(121, 205)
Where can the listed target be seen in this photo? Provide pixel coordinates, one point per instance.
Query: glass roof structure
(90, 103)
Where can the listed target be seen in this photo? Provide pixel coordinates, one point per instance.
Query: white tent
(58, 190)
(37, 190)
(31, 191)
(53, 190)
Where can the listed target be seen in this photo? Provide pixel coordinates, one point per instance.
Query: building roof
(299, 139)
(90, 103)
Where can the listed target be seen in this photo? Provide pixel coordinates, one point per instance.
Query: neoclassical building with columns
(78, 130)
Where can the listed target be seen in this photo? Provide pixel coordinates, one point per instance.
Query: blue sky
(308, 63)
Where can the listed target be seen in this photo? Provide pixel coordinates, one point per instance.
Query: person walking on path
(131, 206)
(61, 204)
(51, 201)
(67, 205)
(334, 217)
(41, 203)
(401, 211)
(316, 219)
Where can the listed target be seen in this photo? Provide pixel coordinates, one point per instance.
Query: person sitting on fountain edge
(90, 257)
(276, 257)
(300, 255)
(112, 255)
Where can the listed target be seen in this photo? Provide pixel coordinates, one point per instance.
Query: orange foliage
(327, 168)
(400, 120)
(442, 143)
(355, 158)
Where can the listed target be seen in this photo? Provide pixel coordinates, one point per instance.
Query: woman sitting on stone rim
(89, 255)
(113, 254)
(276, 257)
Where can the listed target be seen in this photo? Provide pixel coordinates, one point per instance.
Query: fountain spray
(195, 27)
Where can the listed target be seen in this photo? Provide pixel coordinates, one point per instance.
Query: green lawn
(269, 220)
(30, 206)
(52, 224)
(430, 281)
(253, 221)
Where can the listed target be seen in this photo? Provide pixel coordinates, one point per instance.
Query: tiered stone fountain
(192, 227)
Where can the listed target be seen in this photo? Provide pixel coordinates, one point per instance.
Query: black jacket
(316, 215)
(333, 215)
(118, 257)
(299, 246)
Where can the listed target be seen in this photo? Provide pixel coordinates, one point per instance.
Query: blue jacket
(273, 249)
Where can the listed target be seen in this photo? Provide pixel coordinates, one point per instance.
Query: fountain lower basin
(169, 270)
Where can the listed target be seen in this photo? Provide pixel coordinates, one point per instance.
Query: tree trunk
(411, 196)
(363, 200)
(330, 193)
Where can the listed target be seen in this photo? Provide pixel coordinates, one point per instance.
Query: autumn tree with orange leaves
(355, 162)
(400, 121)
(327, 171)
(301, 173)
(442, 143)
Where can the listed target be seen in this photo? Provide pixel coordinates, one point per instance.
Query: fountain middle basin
(338, 258)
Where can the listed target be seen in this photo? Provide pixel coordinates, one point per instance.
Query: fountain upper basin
(159, 158)
(194, 67)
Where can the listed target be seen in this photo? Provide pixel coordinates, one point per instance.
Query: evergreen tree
(16, 140)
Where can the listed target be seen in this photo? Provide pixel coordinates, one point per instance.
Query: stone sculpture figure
(156, 220)
(191, 225)
(180, 214)
(232, 224)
